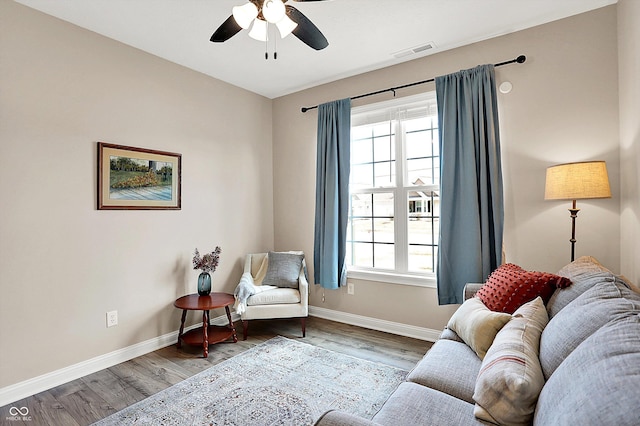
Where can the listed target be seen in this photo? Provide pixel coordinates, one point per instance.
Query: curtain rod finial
(520, 59)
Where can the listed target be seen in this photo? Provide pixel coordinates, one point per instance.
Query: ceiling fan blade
(228, 29)
(306, 31)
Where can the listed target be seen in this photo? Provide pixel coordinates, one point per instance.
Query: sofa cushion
(605, 301)
(437, 371)
(583, 272)
(283, 269)
(510, 286)
(477, 325)
(412, 404)
(510, 379)
(599, 382)
(448, 334)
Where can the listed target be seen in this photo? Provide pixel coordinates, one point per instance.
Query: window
(394, 208)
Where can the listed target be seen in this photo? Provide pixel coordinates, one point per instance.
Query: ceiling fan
(261, 13)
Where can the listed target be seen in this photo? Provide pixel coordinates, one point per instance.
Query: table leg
(184, 316)
(235, 337)
(205, 333)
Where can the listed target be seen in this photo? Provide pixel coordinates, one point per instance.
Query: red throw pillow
(510, 287)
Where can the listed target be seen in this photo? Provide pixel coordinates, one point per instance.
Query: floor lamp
(577, 181)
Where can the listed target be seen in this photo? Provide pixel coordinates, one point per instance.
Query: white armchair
(277, 302)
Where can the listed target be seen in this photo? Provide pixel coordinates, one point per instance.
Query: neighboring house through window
(393, 228)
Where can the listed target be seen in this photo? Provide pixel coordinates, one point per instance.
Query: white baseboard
(376, 324)
(46, 381)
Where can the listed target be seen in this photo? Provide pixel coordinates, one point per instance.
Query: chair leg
(245, 326)
(303, 320)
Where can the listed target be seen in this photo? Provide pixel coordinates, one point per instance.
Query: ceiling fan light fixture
(286, 26)
(245, 14)
(259, 30)
(273, 11)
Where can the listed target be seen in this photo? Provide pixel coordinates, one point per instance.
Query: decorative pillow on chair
(510, 378)
(476, 325)
(510, 287)
(283, 269)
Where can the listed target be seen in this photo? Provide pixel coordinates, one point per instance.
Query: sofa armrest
(470, 290)
(340, 418)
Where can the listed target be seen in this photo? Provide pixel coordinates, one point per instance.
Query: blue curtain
(471, 200)
(332, 193)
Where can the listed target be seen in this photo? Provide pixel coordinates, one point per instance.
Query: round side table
(207, 334)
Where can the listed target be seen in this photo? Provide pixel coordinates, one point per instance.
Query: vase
(204, 284)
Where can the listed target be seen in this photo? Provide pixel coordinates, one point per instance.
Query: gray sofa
(589, 354)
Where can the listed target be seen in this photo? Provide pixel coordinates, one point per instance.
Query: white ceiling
(363, 34)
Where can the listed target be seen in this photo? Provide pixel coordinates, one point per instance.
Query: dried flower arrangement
(208, 262)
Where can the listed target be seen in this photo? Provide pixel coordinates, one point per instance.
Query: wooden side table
(207, 334)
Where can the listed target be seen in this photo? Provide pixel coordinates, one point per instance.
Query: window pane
(421, 259)
(362, 230)
(363, 255)
(361, 132)
(420, 123)
(436, 144)
(423, 171)
(383, 204)
(361, 176)
(361, 151)
(421, 231)
(382, 129)
(385, 174)
(419, 144)
(384, 148)
(384, 256)
(383, 230)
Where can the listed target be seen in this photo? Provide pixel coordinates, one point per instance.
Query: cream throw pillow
(510, 378)
(476, 325)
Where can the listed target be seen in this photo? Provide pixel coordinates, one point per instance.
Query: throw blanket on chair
(245, 289)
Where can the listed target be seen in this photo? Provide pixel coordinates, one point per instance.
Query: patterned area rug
(279, 382)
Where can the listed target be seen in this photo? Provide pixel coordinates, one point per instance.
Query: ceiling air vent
(414, 50)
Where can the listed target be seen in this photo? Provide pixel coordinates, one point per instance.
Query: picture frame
(132, 178)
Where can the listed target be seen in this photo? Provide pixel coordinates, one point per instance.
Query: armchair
(277, 302)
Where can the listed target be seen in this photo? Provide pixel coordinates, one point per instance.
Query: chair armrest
(470, 290)
(340, 418)
(303, 284)
(247, 264)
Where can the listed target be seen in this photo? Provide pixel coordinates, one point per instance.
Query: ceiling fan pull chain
(275, 45)
(266, 49)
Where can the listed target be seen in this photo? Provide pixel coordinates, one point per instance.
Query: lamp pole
(574, 213)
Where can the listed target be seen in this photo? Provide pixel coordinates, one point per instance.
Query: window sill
(392, 278)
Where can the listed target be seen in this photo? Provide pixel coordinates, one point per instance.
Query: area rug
(279, 382)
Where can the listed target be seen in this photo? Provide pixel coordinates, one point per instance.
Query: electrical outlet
(112, 318)
(351, 288)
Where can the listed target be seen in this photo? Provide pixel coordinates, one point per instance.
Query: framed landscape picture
(138, 179)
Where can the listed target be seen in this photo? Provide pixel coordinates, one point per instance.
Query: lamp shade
(259, 30)
(273, 10)
(245, 14)
(285, 26)
(576, 181)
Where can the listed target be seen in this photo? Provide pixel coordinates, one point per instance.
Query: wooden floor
(90, 398)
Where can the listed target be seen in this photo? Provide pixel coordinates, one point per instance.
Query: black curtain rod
(520, 59)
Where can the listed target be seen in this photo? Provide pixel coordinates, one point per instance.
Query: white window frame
(382, 111)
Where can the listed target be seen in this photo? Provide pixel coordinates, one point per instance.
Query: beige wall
(563, 107)
(629, 72)
(63, 264)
